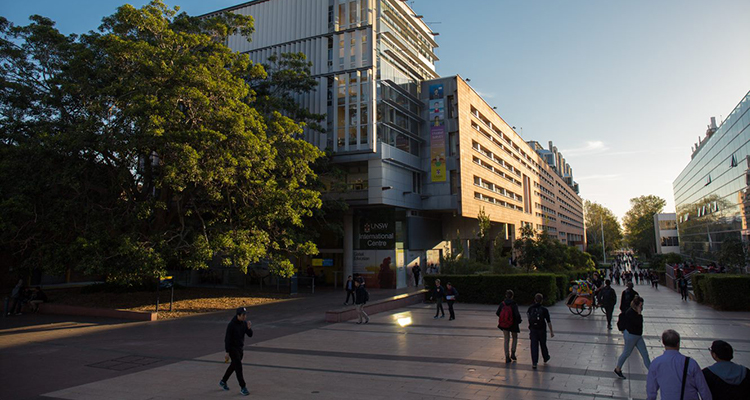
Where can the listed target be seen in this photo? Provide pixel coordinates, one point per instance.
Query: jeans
(538, 338)
(235, 366)
(350, 293)
(450, 309)
(416, 279)
(633, 341)
(439, 308)
(684, 293)
(506, 338)
(361, 312)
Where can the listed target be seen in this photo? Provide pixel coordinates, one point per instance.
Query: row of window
(497, 189)
(489, 166)
(498, 202)
(492, 156)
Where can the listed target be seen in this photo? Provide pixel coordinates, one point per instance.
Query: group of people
(640, 277)
(674, 374)
(355, 289)
(21, 295)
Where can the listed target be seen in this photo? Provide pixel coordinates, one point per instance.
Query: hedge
(490, 289)
(697, 281)
(727, 292)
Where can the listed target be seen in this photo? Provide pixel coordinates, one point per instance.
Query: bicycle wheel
(585, 310)
(573, 310)
(602, 309)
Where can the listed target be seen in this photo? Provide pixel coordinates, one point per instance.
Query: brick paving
(426, 359)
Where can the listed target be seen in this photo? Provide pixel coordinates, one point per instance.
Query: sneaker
(442, 316)
(359, 322)
(546, 360)
(533, 366)
(609, 327)
(619, 373)
(223, 385)
(367, 321)
(435, 317)
(507, 360)
(451, 319)
(513, 357)
(244, 391)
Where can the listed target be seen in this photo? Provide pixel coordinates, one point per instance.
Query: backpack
(505, 321)
(535, 318)
(621, 322)
(609, 297)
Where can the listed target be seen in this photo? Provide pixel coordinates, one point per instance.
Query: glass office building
(712, 193)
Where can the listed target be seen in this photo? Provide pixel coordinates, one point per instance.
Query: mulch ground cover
(187, 301)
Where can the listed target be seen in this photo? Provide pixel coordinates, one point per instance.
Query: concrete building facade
(421, 154)
(665, 229)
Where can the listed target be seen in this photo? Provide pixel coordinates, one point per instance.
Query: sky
(623, 88)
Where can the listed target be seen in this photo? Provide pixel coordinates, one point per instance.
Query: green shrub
(697, 281)
(563, 284)
(490, 289)
(463, 266)
(727, 292)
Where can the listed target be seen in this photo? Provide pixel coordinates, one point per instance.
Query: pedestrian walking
(539, 320)
(631, 324)
(726, 380)
(37, 297)
(362, 296)
(609, 301)
(349, 286)
(509, 321)
(438, 294)
(17, 295)
(682, 284)
(627, 297)
(675, 375)
(234, 344)
(416, 271)
(450, 297)
(654, 280)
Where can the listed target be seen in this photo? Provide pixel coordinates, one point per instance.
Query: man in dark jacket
(438, 294)
(450, 296)
(725, 379)
(627, 296)
(360, 299)
(416, 271)
(539, 320)
(513, 329)
(234, 343)
(609, 301)
(349, 286)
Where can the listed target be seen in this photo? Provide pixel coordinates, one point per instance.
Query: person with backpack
(675, 375)
(361, 297)
(608, 301)
(509, 321)
(725, 379)
(438, 294)
(538, 321)
(682, 284)
(627, 297)
(631, 325)
(450, 296)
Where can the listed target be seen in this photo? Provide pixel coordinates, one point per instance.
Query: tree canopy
(150, 145)
(639, 223)
(596, 217)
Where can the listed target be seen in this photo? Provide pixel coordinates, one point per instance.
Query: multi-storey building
(712, 193)
(665, 230)
(422, 154)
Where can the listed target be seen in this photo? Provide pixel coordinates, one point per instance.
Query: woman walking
(509, 319)
(438, 294)
(632, 322)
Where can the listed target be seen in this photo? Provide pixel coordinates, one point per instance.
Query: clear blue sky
(623, 88)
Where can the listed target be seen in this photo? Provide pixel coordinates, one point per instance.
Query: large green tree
(596, 217)
(639, 223)
(149, 144)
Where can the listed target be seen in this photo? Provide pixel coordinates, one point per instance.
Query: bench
(378, 306)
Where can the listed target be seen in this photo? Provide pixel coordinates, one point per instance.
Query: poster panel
(437, 154)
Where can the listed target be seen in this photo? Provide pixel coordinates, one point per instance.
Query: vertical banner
(437, 133)
(437, 153)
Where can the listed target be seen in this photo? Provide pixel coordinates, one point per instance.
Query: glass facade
(712, 194)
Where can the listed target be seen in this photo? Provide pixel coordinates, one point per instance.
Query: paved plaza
(426, 358)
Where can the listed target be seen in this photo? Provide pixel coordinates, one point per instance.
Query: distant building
(712, 193)
(421, 154)
(665, 227)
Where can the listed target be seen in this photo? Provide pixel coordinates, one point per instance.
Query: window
(733, 162)
(353, 12)
(453, 143)
(416, 182)
(454, 181)
(450, 107)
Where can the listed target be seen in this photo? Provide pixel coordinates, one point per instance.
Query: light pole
(604, 252)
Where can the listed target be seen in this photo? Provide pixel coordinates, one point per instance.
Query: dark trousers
(235, 366)
(416, 279)
(439, 308)
(349, 293)
(684, 293)
(538, 338)
(608, 310)
(450, 309)
(17, 305)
